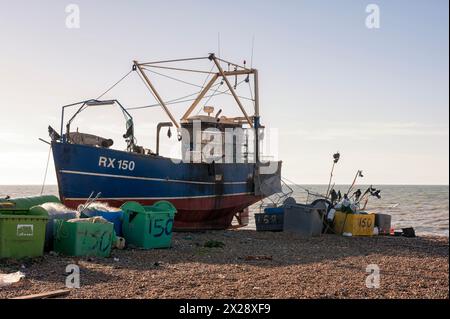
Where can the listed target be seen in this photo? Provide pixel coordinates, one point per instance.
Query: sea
(424, 207)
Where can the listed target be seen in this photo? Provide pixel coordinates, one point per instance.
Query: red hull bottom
(195, 214)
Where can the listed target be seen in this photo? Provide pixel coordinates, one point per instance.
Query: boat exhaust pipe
(158, 129)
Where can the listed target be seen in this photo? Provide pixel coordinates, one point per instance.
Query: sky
(328, 83)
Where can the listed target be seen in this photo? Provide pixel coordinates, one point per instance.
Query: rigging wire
(175, 79)
(109, 89)
(179, 100)
(207, 77)
(46, 170)
(151, 91)
(178, 69)
(210, 97)
(175, 60)
(114, 85)
(176, 100)
(251, 91)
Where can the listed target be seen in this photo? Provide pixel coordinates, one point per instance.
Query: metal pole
(62, 125)
(257, 119)
(152, 88)
(230, 87)
(331, 177)
(158, 130)
(255, 75)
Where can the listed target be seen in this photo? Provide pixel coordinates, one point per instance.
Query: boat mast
(155, 93)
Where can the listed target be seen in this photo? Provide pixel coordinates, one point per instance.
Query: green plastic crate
(148, 226)
(22, 235)
(83, 239)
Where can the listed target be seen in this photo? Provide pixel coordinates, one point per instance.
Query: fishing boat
(216, 178)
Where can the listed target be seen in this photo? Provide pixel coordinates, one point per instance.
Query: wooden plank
(49, 294)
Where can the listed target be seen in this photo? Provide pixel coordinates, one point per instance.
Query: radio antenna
(218, 44)
(253, 46)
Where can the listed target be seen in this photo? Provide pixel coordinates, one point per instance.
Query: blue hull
(206, 195)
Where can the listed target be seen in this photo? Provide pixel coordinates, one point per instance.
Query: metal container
(383, 222)
(304, 220)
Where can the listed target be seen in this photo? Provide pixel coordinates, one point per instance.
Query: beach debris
(97, 206)
(409, 232)
(258, 257)
(376, 231)
(119, 243)
(347, 234)
(404, 232)
(9, 279)
(93, 220)
(49, 294)
(58, 209)
(214, 244)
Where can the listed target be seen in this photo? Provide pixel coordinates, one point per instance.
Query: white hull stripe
(156, 198)
(147, 178)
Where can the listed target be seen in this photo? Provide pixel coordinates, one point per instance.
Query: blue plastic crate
(114, 217)
(274, 210)
(269, 222)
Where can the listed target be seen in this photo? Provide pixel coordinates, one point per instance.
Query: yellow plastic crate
(356, 224)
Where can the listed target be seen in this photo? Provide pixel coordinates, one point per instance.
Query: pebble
(326, 267)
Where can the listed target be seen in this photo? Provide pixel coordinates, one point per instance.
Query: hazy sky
(328, 83)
